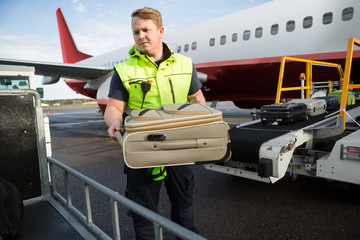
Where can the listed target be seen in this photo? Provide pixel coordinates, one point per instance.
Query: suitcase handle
(179, 144)
(156, 137)
(184, 106)
(119, 137)
(144, 111)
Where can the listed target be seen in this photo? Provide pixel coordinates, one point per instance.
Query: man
(151, 77)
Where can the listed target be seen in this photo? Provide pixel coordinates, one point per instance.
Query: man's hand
(113, 116)
(116, 126)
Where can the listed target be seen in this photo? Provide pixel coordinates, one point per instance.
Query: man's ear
(162, 30)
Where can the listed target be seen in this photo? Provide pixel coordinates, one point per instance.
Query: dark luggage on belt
(314, 107)
(350, 96)
(283, 113)
(332, 102)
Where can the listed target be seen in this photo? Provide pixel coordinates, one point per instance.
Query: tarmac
(226, 207)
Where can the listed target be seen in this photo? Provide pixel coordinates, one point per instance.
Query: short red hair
(148, 14)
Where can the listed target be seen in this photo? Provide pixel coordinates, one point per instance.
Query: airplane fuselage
(240, 53)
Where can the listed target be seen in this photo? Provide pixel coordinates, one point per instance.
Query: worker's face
(147, 36)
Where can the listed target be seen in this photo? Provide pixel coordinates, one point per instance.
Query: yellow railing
(346, 84)
(344, 78)
(308, 85)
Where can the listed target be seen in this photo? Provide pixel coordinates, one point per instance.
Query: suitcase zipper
(172, 89)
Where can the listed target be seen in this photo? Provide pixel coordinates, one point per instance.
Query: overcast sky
(28, 28)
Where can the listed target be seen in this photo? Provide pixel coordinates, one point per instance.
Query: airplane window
(290, 26)
(308, 22)
(212, 42)
(234, 37)
(186, 47)
(258, 32)
(274, 29)
(178, 49)
(246, 35)
(193, 46)
(222, 40)
(347, 14)
(327, 18)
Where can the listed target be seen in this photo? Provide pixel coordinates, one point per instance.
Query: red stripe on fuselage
(253, 82)
(314, 56)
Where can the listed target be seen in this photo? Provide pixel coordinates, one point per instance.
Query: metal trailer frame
(293, 152)
(284, 151)
(84, 224)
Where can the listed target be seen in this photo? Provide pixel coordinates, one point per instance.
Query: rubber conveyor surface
(247, 140)
(42, 221)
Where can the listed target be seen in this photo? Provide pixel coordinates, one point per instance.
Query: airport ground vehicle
(18, 77)
(26, 161)
(326, 147)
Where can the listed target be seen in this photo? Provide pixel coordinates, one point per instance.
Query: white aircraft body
(237, 56)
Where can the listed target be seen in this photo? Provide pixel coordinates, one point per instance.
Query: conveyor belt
(247, 140)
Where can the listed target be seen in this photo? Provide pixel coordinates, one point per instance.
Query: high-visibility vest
(170, 82)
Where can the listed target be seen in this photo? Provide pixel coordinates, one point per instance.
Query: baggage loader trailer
(325, 146)
(306, 151)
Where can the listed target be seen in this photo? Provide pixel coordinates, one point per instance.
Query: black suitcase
(283, 113)
(332, 102)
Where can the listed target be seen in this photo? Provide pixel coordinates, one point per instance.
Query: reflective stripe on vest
(138, 68)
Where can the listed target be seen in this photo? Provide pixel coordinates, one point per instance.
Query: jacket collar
(134, 52)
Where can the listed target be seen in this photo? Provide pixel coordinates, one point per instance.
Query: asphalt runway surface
(226, 207)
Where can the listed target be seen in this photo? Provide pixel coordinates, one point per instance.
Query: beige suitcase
(176, 134)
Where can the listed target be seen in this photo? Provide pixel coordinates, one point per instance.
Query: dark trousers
(142, 189)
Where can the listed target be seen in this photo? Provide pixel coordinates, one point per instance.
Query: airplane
(237, 56)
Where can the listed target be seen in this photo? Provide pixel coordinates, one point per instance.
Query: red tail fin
(68, 47)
